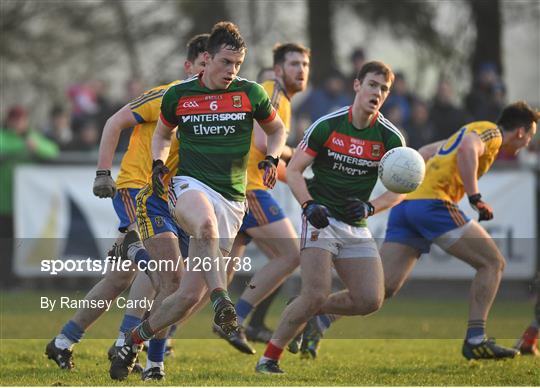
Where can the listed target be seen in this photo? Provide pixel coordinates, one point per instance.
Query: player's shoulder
(325, 124)
(247, 85)
(339, 115)
(271, 86)
(480, 126)
(388, 129)
(179, 86)
(151, 95)
(276, 92)
(487, 131)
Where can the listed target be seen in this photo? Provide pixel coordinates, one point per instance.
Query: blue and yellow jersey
(282, 104)
(136, 166)
(443, 180)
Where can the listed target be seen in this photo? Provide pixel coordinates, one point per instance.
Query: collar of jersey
(371, 123)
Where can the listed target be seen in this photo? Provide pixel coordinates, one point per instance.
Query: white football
(401, 170)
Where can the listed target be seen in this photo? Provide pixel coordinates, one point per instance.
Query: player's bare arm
(287, 153)
(298, 164)
(104, 184)
(260, 142)
(119, 121)
(276, 136)
(161, 141)
(429, 150)
(387, 200)
(470, 149)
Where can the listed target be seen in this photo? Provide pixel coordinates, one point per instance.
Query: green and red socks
(218, 296)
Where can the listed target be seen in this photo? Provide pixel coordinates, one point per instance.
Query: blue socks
(323, 322)
(243, 309)
(141, 255)
(156, 350)
(476, 331)
(72, 331)
(129, 322)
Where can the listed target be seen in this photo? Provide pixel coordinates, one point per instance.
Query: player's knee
(118, 288)
(291, 263)
(495, 263)
(373, 304)
(500, 263)
(207, 229)
(170, 282)
(367, 304)
(118, 284)
(314, 302)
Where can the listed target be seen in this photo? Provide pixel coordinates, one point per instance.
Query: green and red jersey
(214, 130)
(346, 158)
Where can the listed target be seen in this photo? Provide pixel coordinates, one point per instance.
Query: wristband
(103, 173)
(371, 209)
(475, 198)
(157, 163)
(272, 160)
(307, 203)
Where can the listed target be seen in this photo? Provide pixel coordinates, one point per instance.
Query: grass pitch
(409, 342)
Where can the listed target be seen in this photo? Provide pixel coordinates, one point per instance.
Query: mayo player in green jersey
(344, 149)
(214, 112)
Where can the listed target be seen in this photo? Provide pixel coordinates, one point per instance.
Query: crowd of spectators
(76, 125)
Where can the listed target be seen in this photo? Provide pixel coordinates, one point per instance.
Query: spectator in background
(87, 137)
(83, 99)
(487, 97)
(399, 95)
(419, 128)
(444, 114)
(90, 108)
(395, 114)
(19, 144)
(58, 128)
(323, 100)
(104, 105)
(358, 58)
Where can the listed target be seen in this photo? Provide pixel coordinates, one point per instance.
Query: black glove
(159, 170)
(316, 214)
(357, 210)
(485, 212)
(104, 186)
(269, 165)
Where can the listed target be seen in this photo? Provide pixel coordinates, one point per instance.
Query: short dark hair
(517, 114)
(376, 67)
(196, 45)
(225, 34)
(281, 50)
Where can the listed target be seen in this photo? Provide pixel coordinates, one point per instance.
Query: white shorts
(342, 240)
(229, 214)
